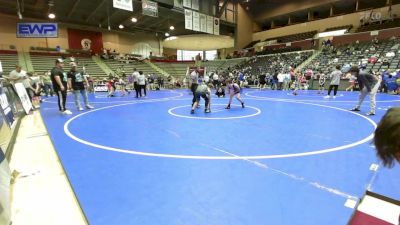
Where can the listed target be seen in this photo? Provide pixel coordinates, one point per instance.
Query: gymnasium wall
(76, 37)
(244, 28)
(293, 6)
(122, 42)
(8, 36)
(365, 36)
(322, 24)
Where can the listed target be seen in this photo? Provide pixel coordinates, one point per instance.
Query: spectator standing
(335, 81)
(59, 79)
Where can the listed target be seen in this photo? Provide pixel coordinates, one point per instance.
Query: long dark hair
(387, 137)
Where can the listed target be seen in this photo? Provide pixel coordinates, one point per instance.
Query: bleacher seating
(345, 27)
(284, 49)
(223, 64)
(380, 25)
(8, 60)
(294, 37)
(276, 63)
(43, 62)
(251, 44)
(214, 65)
(175, 69)
(353, 54)
(116, 66)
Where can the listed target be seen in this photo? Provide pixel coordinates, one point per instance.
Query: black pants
(140, 87)
(205, 97)
(62, 97)
(193, 89)
(335, 87)
(136, 86)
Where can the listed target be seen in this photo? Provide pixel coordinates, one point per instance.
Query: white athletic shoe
(67, 112)
(334, 97)
(80, 109)
(327, 96)
(89, 107)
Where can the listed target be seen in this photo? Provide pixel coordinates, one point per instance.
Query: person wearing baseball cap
(60, 86)
(77, 81)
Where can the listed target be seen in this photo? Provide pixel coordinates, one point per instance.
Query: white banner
(21, 92)
(150, 8)
(203, 23)
(178, 3)
(123, 4)
(1, 68)
(374, 33)
(216, 26)
(188, 19)
(196, 21)
(195, 4)
(210, 25)
(187, 3)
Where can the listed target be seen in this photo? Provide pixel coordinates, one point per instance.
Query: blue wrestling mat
(283, 159)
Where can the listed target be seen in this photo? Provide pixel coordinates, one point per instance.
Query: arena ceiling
(279, 11)
(101, 14)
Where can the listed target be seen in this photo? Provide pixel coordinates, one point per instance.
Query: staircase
(305, 63)
(156, 68)
(24, 59)
(102, 65)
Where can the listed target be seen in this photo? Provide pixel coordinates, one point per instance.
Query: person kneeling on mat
(233, 89)
(203, 91)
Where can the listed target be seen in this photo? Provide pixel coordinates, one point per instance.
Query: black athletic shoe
(228, 107)
(192, 111)
(370, 114)
(207, 111)
(355, 109)
(242, 104)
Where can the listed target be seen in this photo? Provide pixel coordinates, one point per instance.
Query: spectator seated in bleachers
(390, 54)
(389, 80)
(346, 68)
(373, 59)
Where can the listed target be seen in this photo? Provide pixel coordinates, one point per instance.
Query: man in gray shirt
(369, 84)
(335, 81)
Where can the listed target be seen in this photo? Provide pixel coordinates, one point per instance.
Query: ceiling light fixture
(52, 15)
(134, 20)
(172, 28)
(121, 26)
(19, 10)
(167, 34)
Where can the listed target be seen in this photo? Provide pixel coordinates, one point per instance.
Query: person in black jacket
(369, 84)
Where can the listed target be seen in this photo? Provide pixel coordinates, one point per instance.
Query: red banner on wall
(86, 40)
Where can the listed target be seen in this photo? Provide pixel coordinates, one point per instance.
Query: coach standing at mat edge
(369, 84)
(59, 79)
